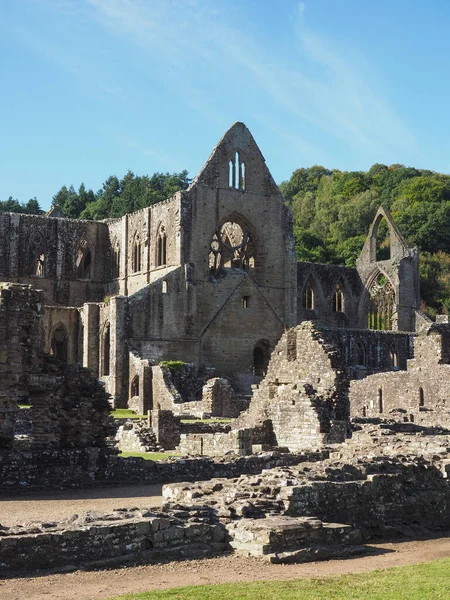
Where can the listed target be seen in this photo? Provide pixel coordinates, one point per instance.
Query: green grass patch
(426, 581)
(149, 455)
(126, 413)
(20, 405)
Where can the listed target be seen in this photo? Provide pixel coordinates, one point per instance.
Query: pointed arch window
(393, 356)
(161, 247)
(136, 257)
(381, 304)
(308, 296)
(84, 261)
(338, 300)
(135, 386)
(383, 240)
(236, 172)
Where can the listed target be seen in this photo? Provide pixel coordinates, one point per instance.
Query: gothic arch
(311, 295)
(234, 244)
(84, 259)
(261, 358)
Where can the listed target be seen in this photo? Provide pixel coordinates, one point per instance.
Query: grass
(20, 405)
(126, 413)
(149, 455)
(426, 581)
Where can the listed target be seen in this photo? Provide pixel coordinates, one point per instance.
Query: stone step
(314, 553)
(282, 536)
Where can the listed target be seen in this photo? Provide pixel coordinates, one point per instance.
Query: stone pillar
(91, 336)
(119, 351)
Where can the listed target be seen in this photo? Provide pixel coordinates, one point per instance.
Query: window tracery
(308, 296)
(37, 253)
(84, 260)
(381, 304)
(231, 248)
(161, 247)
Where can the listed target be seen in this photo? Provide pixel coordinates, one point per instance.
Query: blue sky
(92, 88)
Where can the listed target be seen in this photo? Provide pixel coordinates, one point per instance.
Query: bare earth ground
(62, 504)
(90, 585)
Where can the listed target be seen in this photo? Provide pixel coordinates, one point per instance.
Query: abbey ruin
(197, 307)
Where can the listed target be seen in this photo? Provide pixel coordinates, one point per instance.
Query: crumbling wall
(304, 394)
(238, 442)
(420, 394)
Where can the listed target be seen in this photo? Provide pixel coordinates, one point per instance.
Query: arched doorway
(59, 345)
(261, 357)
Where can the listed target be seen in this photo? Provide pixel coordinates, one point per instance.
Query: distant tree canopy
(333, 211)
(30, 208)
(119, 196)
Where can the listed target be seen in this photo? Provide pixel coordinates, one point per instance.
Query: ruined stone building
(207, 277)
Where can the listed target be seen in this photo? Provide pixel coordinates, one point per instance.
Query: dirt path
(62, 504)
(95, 585)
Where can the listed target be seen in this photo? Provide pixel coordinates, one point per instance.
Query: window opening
(245, 301)
(137, 253)
(37, 256)
(84, 261)
(135, 386)
(116, 261)
(393, 355)
(308, 297)
(236, 172)
(421, 397)
(161, 247)
(381, 304)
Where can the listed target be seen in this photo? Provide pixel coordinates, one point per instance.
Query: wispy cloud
(188, 35)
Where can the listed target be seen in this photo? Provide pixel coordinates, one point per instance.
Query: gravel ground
(97, 585)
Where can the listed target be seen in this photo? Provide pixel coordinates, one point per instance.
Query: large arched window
(231, 248)
(359, 354)
(59, 344)
(84, 261)
(136, 257)
(106, 350)
(381, 304)
(37, 251)
(161, 247)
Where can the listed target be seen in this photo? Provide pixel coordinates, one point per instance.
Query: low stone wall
(118, 535)
(238, 442)
(64, 468)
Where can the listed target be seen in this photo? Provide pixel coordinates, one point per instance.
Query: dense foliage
(334, 209)
(29, 208)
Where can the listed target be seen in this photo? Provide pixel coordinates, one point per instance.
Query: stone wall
(102, 538)
(217, 444)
